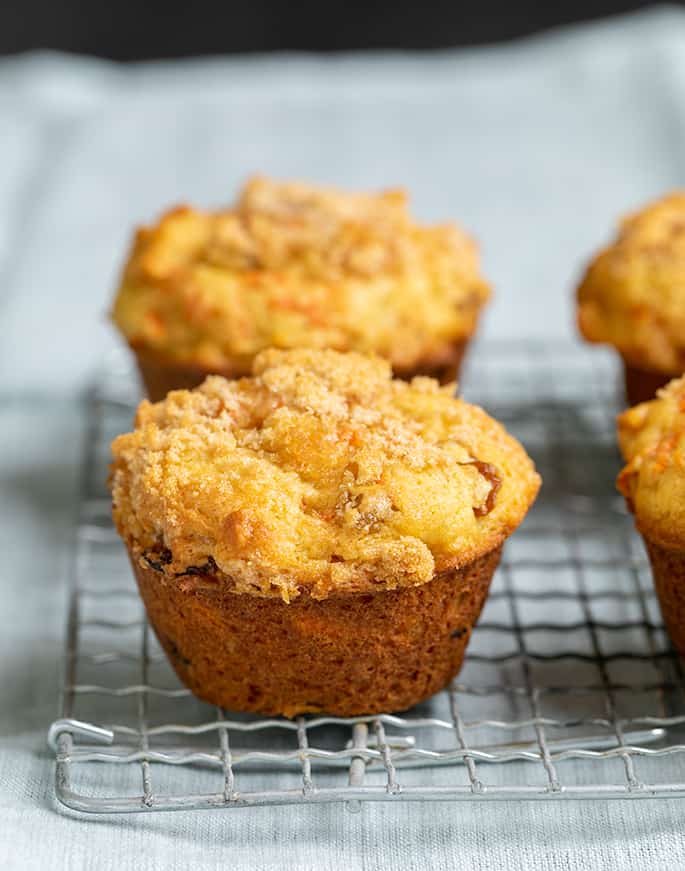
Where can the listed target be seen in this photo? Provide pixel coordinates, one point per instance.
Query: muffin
(633, 297)
(297, 266)
(652, 440)
(318, 536)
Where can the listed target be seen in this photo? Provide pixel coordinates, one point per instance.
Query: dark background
(138, 29)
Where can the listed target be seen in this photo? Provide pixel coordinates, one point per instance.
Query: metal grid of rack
(570, 687)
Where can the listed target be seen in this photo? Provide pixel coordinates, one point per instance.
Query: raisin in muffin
(289, 266)
(633, 297)
(318, 536)
(652, 440)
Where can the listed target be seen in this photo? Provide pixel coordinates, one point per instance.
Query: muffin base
(160, 376)
(345, 655)
(668, 570)
(444, 367)
(642, 384)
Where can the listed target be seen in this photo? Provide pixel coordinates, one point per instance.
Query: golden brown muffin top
(320, 472)
(652, 440)
(633, 293)
(293, 265)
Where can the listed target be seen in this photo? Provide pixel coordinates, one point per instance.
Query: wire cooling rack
(570, 688)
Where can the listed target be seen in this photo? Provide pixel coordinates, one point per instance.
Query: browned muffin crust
(641, 385)
(162, 376)
(668, 571)
(345, 655)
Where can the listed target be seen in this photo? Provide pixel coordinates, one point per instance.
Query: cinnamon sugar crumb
(318, 472)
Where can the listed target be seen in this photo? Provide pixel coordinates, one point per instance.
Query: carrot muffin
(633, 296)
(316, 537)
(293, 265)
(652, 440)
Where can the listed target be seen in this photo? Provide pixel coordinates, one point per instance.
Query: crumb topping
(652, 440)
(633, 293)
(319, 472)
(293, 265)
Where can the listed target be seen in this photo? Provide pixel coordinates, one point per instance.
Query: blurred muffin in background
(652, 440)
(293, 265)
(633, 296)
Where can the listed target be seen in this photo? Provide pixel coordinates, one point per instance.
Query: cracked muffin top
(320, 473)
(293, 265)
(633, 293)
(652, 440)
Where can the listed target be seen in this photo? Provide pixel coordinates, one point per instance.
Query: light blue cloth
(535, 147)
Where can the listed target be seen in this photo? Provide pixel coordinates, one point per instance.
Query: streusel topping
(318, 472)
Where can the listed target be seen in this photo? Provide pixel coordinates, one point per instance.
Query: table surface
(536, 147)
